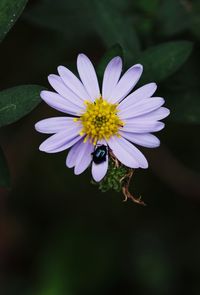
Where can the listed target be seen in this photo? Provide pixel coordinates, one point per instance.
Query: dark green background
(59, 235)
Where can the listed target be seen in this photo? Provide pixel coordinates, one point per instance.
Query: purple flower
(111, 117)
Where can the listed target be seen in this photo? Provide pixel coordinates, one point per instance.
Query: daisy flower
(101, 124)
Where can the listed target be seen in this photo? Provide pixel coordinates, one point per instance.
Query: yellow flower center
(100, 120)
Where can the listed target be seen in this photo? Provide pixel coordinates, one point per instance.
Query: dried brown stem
(125, 181)
(114, 159)
(125, 189)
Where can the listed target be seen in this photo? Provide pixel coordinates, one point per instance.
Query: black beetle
(99, 154)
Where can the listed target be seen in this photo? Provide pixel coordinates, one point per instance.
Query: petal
(72, 155)
(88, 76)
(99, 170)
(142, 107)
(84, 157)
(145, 139)
(58, 85)
(145, 91)
(61, 140)
(67, 145)
(127, 153)
(158, 114)
(126, 83)
(73, 83)
(140, 126)
(63, 147)
(57, 102)
(53, 125)
(111, 76)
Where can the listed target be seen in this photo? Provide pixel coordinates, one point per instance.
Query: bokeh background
(59, 235)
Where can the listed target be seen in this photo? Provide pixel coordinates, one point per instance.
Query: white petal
(145, 91)
(126, 83)
(144, 106)
(99, 170)
(53, 125)
(59, 86)
(84, 157)
(158, 114)
(73, 83)
(59, 103)
(111, 76)
(88, 76)
(127, 153)
(145, 139)
(61, 140)
(72, 155)
(140, 126)
(66, 146)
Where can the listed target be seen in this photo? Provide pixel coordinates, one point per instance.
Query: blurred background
(59, 235)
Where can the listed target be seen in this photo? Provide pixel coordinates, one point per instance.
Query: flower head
(101, 123)
(100, 120)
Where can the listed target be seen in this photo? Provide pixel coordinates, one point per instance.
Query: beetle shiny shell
(100, 153)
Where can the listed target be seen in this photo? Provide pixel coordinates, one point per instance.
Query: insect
(99, 154)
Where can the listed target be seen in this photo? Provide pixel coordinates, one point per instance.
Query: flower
(103, 123)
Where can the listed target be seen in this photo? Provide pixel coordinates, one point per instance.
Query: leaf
(114, 27)
(182, 93)
(184, 106)
(146, 6)
(10, 10)
(195, 19)
(56, 15)
(17, 102)
(104, 17)
(115, 50)
(4, 172)
(173, 17)
(72, 19)
(163, 60)
(113, 178)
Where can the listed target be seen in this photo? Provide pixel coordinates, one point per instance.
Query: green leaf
(163, 60)
(17, 102)
(114, 27)
(4, 172)
(195, 19)
(72, 19)
(112, 180)
(146, 6)
(184, 106)
(10, 10)
(173, 17)
(104, 17)
(115, 50)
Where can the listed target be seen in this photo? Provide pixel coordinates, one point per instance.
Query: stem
(125, 189)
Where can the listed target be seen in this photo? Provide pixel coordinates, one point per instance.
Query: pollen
(100, 120)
